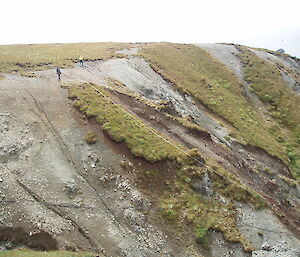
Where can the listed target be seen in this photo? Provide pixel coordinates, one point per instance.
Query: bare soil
(58, 192)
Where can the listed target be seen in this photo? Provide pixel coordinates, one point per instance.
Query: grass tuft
(90, 138)
(201, 234)
(120, 125)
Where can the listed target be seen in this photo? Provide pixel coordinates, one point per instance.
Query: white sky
(43, 21)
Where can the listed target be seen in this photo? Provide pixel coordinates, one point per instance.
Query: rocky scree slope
(194, 150)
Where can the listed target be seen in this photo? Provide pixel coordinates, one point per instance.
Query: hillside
(152, 149)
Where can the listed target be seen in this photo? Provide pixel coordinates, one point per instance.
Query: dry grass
(28, 74)
(45, 56)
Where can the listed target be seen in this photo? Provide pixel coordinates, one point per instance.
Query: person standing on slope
(81, 61)
(58, 72)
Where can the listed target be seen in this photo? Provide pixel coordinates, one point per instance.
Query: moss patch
(120, 125)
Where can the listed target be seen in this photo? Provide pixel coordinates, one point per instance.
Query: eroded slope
(195, 158)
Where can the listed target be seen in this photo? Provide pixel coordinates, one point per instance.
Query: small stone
(266, 247)
(9, 246)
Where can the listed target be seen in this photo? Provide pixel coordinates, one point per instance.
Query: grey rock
(71, 188)
(204, 186)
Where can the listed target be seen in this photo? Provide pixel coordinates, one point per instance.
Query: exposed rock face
(204, 186)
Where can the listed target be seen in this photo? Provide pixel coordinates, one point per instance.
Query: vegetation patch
(187, 122)
(29, 253)
(283, 104)
(230, 186)
(202, 214)
(201, 234)
(194, 71)
(27, 74)
(142, 141)
(47, 56)
(187, 206)
(290, 182)
(90, 138)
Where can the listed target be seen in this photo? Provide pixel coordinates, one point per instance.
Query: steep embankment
(185, 158)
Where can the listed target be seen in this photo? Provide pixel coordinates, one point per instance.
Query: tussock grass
(222, 181)
(90, 138)
(29, 253)
(283, 104)
(194, 71)
(201, 213)
(121, 126)
(45, 56)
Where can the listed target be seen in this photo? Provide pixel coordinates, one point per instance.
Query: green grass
(185, 207)
(283, 104)
(201, 234)
(28, 253)
(196, 211)
(45, 56)
(223, 184)
(194, 71)
(120, 125)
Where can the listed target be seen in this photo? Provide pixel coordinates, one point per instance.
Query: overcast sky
(260, 22)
